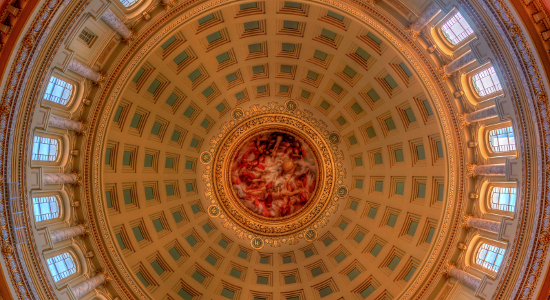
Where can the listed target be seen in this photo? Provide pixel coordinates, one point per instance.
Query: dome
(274, 150)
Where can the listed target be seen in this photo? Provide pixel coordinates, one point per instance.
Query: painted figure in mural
(274, 174)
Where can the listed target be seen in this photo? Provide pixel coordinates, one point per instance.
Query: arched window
(489, 257)
(61, 266)
(45, 149)
(503, 198)
(486, 82)
(58, 91)
(456, 29)
(45, 208)
(502, 140)
(128, 3)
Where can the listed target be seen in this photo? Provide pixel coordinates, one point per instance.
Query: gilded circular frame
(228, 200)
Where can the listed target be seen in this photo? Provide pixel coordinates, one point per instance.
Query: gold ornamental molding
(219, 175)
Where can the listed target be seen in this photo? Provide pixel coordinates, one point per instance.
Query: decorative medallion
(206, 157)
(213, 211)
(291, 105)
(310, 235)
(334, 138)
(274, 175)
(342, 191)
(257, 243)
(237, 113)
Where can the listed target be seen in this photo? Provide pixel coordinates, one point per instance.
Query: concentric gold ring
(279, 226)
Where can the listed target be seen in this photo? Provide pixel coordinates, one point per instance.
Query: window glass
(58, 91)
(486, 82)
(502, 140)
(503, 198)
(44, 149)
(128, 3)
(61, 266)
(45, 208)
(456, 29)
(490, 257)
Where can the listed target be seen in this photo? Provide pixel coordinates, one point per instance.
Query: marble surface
(426, 17)
(465, 278)
(460, 62)
(60, 122)
(83, 70)
(482, 114)
(87, 286)
(482, 224)
(494, 170)
(58, 178)
(66, 233)
(116, 24)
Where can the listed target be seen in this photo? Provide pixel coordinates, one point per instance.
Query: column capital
(130, 38)
(413, 33)
(101, 79)
(447, 268)
(462, 120)
(105, 275)
(83, 128)
(464, 221)
(78, 180)
(470, 170)
(441, 72)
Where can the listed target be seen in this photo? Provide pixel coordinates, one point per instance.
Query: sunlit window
(61, 266)
(490, 257)
(502, 140)
(128, 3)
(503, 198)
(456, 29)
(45, 208)
(45, 149)
(58, 91)
(486, 82)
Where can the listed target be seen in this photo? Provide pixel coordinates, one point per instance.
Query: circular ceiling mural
(280, 175)
(274, 173)
(201, 177)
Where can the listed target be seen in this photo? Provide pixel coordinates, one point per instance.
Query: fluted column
(116, 24)
(67, 233)
(64, 123)
(482, 114)
(88, 285)
(483, 224)
(459, 63)
(426, 17)
(59, 178)
(486, 170)
(465, 278)
(84, 71)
